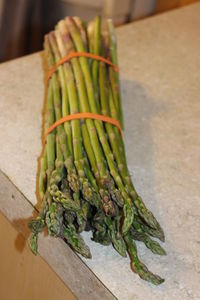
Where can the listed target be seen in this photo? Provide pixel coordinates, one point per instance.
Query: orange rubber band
(84, 115)
(80, 54)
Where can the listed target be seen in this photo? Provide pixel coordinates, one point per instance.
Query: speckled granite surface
(160, 63)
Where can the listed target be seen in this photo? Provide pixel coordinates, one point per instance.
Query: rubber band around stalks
(83, 115)
(80, 54)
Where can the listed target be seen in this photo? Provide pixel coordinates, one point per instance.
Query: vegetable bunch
(84, 180)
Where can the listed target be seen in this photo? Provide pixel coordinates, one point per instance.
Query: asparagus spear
(137, 266)
(90, 34)
(72, 175)
(95, 63)
(42, 176)
(38, 224)
(140, 225)
(82, 28)
(75, 241)
(113, 75)
(154, 246)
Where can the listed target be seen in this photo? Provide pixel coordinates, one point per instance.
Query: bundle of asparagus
(84, 180)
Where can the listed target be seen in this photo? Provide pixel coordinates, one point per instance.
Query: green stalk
(114, 75)
(137, 266)
(100, 229)
(154, 246)
(54, 219)
(42, 175)
(141, 226)
(112, 107)
(65, 105)
(58, 175)
(114, 89)
(81, 26)
(95, 63)
(117, 241)
(49, 120)
(90, 175)
(113, 114)
(68, 160)
(75, 241)
(54, 216)
(38, 224)
(89, 150)
(105, 111)
(90, 34)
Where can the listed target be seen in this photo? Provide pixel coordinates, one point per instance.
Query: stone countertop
(159, 68)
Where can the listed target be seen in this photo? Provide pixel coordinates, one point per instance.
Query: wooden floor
(22, 275)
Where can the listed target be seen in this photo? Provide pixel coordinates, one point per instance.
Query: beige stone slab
(159, 62)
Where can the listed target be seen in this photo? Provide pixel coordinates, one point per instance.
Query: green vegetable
(84, 182)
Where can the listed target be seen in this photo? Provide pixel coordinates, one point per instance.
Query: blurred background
(23, 23)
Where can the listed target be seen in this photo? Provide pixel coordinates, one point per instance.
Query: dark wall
(23, 25)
